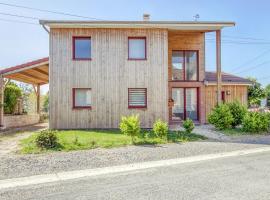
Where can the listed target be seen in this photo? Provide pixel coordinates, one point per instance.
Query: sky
(245, 47)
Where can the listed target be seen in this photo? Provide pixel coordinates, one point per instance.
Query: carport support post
(38, 99)
(1, 102)
(218, 60)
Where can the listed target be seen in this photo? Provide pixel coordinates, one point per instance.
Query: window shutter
(137, 97)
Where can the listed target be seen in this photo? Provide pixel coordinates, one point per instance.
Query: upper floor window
(185, 65)
(81, 48)
(82, 98)
(137, 48)
(137, 97)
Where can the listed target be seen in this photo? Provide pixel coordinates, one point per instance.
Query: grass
(89, 139)
(239, 132)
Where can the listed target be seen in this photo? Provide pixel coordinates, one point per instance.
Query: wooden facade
(109, 74)
(231, 93)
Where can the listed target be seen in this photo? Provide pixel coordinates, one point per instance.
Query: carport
(35, 73)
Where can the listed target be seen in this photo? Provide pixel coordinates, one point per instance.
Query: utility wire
(48, 11)
(17, 21)
(21, 16)
(253, 67)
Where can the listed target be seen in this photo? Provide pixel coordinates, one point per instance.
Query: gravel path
(26, 165)
(10, 139)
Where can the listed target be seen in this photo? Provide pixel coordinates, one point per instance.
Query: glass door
(178, 108)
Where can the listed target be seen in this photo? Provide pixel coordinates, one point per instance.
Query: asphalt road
(241, 177)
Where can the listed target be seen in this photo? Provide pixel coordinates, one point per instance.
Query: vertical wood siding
(237, 92)
(109, 74)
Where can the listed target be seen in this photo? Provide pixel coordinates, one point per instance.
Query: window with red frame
(82, 98)
(137, 98)
(82, 48)
(137, 48)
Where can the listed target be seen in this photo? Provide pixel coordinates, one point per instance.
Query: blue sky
(245, 50)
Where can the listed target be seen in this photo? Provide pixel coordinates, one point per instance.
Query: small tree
(221, 117)
(11, 94)
(188, 125)
(130, 125)
(46, 103)
(238, 112)
(255, 93)
(161, 129)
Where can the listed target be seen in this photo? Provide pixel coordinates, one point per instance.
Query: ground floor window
(82, 98)
(185, 103)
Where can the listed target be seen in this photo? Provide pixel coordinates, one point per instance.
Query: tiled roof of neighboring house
(28, 64)
(226, 78)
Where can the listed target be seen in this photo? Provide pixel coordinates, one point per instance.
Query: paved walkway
(10, 139)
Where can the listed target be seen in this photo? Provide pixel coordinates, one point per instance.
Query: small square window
(82, 48)
(137, 98)
(82, 98)
(137, 48)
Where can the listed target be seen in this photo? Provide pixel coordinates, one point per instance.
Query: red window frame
(74, 99)
(132, 107)
(184, 67)
(73, 46)
(198, 101)
(145, 48)
(223, 96)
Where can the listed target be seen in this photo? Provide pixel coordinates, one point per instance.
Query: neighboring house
(102, 70)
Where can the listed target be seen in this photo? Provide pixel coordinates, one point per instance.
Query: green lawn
(88, 139)
(239, 131)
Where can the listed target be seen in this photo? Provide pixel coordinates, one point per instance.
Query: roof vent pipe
(146, 17)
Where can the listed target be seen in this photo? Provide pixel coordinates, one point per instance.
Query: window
(137, 48)
(185, 103)
(82, 48)
(185, 65)
(137, 98)
(82, 98)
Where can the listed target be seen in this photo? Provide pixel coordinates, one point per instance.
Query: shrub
(11, 94)
(188, 125)
(238, 112)
(255, 122)
(47, 139)
(130, 125)
(221, 117)
(160, 129)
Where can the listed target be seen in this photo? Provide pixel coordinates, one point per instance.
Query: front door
(185, 104)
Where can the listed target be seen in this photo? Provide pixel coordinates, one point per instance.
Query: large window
(81, 48)
(137, 97)
(185, 103)
(82, 98)
(185, 65)
(137, 48)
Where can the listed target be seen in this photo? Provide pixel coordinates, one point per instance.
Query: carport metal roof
(35, 72)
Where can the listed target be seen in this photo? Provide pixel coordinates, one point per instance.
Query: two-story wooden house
(102, 70)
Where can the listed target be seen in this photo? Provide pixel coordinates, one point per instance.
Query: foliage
(255, 93)
(238, 112)
(46, 139)
(130, 125)
(188, 125)
(221, 117)
(267, 90)
(27, 90)
(256, 122)
(160, 129)
(46, 103)
(11, 94)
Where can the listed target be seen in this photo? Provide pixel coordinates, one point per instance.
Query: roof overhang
(170, 25)
(34, 72)
(229, 83)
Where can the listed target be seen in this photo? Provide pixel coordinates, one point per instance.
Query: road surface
(238, 177)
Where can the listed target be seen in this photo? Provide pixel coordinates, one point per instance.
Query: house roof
(211, 77)
(34, 72)
(171, 25)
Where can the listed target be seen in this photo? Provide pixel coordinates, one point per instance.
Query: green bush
(130, 125)
(221, 117)
(11, 94)
(47, 139)
(256, 122)
(160, 129)
(238, 112)
(188, 125)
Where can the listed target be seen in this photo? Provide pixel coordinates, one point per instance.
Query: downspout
(44, 27)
